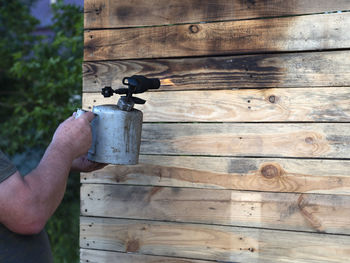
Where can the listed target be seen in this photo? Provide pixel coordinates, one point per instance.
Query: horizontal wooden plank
(256, 174)
(248, 139)
(126, 13)
(287, 211)
(102, 256)
(229, 244)
(314, 32)
(267, 105)
(315, 69)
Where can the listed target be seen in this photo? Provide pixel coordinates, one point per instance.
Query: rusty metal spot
(115, 150)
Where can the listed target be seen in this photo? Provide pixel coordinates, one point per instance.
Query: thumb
(71, 118)
(89, 116)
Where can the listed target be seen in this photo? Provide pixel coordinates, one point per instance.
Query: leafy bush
(43, 78)
(40, 80)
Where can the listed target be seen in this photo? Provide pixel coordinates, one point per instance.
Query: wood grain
(276, 175)
(207, 242)
(102, 256)
(248, 139)
(126, 13)
(314, 32)
(287, 211)
(316, 69)
(253, 105)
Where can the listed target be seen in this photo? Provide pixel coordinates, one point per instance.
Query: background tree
(40, 80)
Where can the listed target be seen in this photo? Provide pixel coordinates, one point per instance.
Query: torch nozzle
(136, 84)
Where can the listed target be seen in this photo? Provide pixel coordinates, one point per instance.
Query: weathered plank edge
(302, 140)
(211, 242)
(102, 14)
(309, 69)
(251, 174)
(279, 211)
(253, 105)
(105, 256)
(251, 36)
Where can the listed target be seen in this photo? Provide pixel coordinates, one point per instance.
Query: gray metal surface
(116, 135)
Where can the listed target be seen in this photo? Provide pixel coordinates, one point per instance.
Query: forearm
(47, 183)
(35, 197)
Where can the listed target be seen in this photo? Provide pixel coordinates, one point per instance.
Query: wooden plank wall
(245, 153)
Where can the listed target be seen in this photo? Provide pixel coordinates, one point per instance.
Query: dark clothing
(16, 248)
(6, 167)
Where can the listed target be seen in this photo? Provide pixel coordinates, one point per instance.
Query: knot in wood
(133, 246)
(270, 171)
(272, 99)
(309, 140)
(193, 29)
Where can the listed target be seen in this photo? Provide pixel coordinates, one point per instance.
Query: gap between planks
(106, 256)
(212, 224)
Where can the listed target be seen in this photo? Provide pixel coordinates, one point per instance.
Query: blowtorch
(116, 128)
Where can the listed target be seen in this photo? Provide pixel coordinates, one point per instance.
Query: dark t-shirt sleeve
(15, 248)
(6, 167)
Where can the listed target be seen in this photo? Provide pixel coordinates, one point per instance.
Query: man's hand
(82, 164)
(35, 197)
(74, 136)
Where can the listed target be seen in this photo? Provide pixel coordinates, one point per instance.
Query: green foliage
(15, 27)
(43, 78)
(40, 86)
